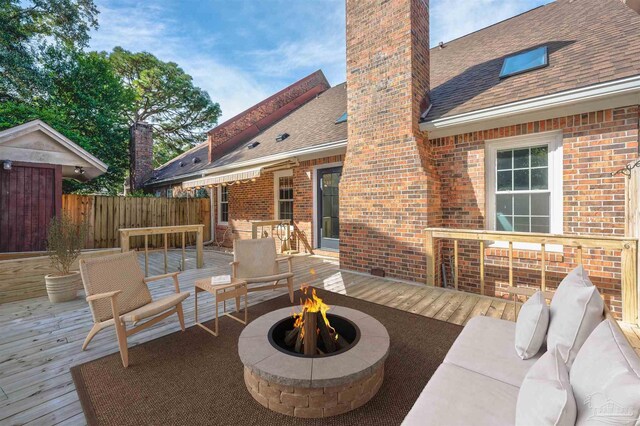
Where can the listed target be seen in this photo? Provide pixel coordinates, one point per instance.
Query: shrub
(65, 239)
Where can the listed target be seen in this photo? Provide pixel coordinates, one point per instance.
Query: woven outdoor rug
(194, 378)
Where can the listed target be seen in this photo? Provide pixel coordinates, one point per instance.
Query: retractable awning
(239, 175)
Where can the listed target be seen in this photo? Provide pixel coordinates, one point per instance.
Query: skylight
(525, 61)
(342, 118)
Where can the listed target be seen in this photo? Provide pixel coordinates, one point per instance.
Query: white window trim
(314, 183)
(554, 141)
(276, 190)
(219, 191)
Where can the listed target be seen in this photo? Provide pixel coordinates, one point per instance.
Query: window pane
(539, 156)
(524, 61)
(504, 181)
(521, 180)
(539, 178)
(521, 205)
(504, 223)
(521, 224)
(540, 224)
(504, 204)
(504, 160)
(521, 158)
(540, 204)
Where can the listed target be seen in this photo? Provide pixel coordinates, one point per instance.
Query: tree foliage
(32, 29)
(166, 97)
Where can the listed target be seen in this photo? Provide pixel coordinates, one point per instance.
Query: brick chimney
(141, 154)
(388, 192)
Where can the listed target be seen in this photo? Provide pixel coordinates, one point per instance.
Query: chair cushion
(485, 346)
(605, 377)
(576, 310)
(456, 396)
(545, 397)
(256, 258)
(268, 278)
(110, 273)
(154, 308)
(531, 327)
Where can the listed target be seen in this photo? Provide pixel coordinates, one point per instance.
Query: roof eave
(624, 90)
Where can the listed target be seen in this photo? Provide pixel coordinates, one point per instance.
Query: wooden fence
(106, 215)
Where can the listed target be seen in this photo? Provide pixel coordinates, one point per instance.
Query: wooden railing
(627, 246)
(127, 233)
(278, 229)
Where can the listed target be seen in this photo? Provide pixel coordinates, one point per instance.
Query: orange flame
(311, 304)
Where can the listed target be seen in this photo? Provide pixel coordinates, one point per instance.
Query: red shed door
(30, 195)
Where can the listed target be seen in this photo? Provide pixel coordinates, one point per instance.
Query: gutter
(257, 161)
(594, 92)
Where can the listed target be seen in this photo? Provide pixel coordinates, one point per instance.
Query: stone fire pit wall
(314, 387)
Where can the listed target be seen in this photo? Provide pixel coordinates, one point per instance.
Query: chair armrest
(173, 275)
(289, 260)
(159, 277)
(99, 296)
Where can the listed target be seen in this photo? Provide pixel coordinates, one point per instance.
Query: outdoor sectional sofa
(480, 379)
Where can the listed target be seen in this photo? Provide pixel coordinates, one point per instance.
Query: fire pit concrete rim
(257, 353)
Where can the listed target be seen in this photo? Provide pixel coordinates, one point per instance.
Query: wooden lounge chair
(256, 261)
(116, 287)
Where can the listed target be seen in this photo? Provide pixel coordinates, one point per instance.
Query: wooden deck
(40, 341)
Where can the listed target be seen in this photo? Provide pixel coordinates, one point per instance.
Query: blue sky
(241, 51)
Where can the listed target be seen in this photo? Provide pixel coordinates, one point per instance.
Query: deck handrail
(627, 245)
(127, 233)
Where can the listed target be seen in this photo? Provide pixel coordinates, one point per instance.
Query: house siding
(594, 145)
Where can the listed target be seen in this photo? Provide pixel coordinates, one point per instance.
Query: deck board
(39, 340)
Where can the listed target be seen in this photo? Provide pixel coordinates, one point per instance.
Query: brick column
(389, 191)
(141, 154)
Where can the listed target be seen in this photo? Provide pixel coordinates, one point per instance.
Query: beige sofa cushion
(155, 307)
(456, 396)
(576, 310)
(531, 327)
(545, 396)
(605, 377)
(485, 346)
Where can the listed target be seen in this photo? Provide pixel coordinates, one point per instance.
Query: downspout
(212, 219)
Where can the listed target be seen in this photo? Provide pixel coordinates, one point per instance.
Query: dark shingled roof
(314, 123)
(589, 42)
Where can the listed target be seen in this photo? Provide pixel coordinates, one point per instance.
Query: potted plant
(65, 239)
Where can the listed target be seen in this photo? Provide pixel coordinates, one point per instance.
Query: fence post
(431, 257)
(632, 229)
(630, 283)
(200, 246)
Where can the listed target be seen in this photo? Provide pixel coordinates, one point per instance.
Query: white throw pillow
(545, 397)
(576, 310)
(531, 327)
(605, 378)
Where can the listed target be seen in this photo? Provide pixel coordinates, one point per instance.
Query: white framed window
(524, 184)
(223, 205)
(283, 194)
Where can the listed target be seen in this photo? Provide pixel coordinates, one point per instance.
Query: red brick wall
(389, 189)
(141, 154)
(255, 201)
(594, 145)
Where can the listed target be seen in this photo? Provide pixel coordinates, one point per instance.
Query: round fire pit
(320, 385)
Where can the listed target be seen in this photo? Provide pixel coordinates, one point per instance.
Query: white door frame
(314, 182)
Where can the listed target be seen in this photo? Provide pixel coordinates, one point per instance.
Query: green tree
(86, 103)
(31, 29)
(165, 97)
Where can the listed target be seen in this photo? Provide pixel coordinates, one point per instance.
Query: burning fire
(312, 304)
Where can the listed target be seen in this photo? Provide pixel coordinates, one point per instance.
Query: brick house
(515, 127)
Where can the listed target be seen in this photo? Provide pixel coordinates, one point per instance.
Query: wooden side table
(221, 294)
